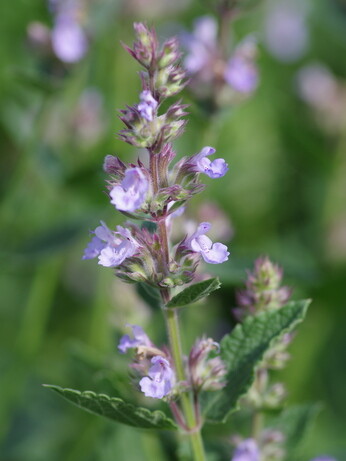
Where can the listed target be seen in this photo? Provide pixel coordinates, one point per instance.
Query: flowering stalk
(264, 293)
(171, 316)
(155, 194)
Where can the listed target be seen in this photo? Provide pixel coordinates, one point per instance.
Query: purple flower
(215, 169)
(131, 193)
(147, 105)
(286, 31)
(241, 74)
(69, 41)
(112, 248)
(247, 450)
(139, 339)
(212, 253)
(160, 379)
(201, 45)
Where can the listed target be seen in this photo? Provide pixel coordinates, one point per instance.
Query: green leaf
(295, 423)
(243, 349)
(194, 292)
(116, 409)
(149, 294)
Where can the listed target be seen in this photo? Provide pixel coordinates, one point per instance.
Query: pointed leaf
(116, 409)
(243, 349)
(194, 292)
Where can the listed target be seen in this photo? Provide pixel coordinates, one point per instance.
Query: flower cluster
(209, 68)
(67, 39)
(268, 447)
(204, 368)
(156, 192)
(151, 362)
(263, 291)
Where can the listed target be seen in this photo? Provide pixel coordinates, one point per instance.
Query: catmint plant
(211, 381)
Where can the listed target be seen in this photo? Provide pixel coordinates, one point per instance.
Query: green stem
(261, 382)
(257, 424)
(171, 316)
(186, 402)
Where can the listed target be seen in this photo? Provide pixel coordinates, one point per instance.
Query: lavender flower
(241, 72)
(286, 33)
(247, 450)
(160, 379)
(215, 169)
(147, 105)
(139, 339)
(212, 253)
(201, 45)
(112, 248)
(131, 193)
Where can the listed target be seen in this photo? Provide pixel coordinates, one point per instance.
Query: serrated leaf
(116, 409)
(295, 423)
(243, 349)
(194, 293)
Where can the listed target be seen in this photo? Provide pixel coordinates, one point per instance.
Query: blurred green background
(285, 196)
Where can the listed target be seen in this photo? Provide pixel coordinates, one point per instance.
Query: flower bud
(169, 54)
(263, 291)
(206, 372)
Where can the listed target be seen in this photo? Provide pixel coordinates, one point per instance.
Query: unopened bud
(169, 54)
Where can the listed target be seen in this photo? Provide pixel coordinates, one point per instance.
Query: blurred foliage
(61, 317)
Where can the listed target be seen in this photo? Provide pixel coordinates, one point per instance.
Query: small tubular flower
(132, 191)
(201, 164)
(201, 46)
(147, 105)
(111, 248)
(241, 72)
(160, 379)
(212, 253)
(139, 339)
(247, 450)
